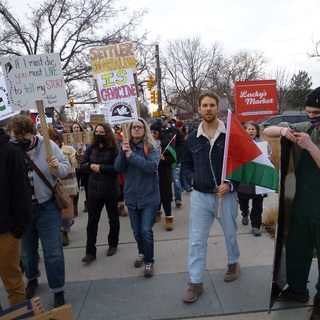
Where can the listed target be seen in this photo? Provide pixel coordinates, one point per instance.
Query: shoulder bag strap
(37, 170)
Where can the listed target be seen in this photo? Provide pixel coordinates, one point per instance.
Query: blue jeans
(185, 185)
(203, 211)
(142, 222)
(45, 225)
(176, 182)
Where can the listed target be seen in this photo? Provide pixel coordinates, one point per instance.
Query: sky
(284, 30)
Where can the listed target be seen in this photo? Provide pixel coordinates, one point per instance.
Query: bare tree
(186, 65)
(70, 28)
(242, 66)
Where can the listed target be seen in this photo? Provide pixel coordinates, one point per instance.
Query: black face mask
(23, 144)
(100, 138)
(314, 121)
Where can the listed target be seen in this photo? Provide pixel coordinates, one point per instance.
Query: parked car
(275, 120)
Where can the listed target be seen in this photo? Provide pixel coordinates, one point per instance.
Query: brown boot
(169, 223)
(122, 211)
(158, 217)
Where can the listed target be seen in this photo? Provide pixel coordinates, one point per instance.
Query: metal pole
(158, 77)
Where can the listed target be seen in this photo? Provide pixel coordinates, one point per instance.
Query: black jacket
(177, 143)
(15, 190)
(103, 185)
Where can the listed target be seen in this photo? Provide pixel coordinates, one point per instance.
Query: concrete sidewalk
(111, 288)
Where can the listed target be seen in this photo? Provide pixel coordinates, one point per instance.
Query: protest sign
(34, 77)
(117, 90)
(97, 118)
(5, 108)
(113, 57)
(77, 137)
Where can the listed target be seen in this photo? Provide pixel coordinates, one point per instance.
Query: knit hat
(163, 117)
(313, 98)
(156, 126)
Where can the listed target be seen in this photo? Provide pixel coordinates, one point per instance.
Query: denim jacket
(202, 164)
(141, 180)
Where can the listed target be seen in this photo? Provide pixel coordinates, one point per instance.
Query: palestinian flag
(244, 161)
(172, 151)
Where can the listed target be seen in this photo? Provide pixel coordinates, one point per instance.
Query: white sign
(87, 114)
(5, 108)
(34, 77)
(117, 90)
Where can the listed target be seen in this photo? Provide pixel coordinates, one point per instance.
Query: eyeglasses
(137, 127)
(16, 140)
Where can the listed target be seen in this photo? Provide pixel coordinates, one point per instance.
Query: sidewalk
(111, 288)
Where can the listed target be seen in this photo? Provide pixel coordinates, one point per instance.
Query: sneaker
(315, 314)
(189, 190)
(192, 293)
(58, 299)
(148, 270)
(140, 261)
(31, 287)
(232, 273)
(245, 218)
(178, 203)
(88, 258)
(290, 295)
(111, 251)
(256, 232)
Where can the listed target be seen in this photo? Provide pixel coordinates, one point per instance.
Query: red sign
(255, 99)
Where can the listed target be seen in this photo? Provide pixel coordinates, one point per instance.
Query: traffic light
(153, 96)
(150, 83)
(156, 97)
(71, 102)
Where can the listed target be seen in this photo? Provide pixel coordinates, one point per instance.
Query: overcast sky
(284, 30)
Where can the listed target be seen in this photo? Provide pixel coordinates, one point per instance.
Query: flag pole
(225, 153)
(168, 145)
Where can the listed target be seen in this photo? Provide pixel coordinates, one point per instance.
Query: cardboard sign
(34, 77)
(113, 57)
(77, 137)
(255, 99)
(97, 118)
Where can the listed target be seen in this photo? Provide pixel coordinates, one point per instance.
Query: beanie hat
(313, 98)
(163, 117)
(156, 126)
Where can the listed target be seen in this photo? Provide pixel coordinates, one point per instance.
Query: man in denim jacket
(202, 166)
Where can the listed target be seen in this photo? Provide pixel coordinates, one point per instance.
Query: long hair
(77, 123)
(147, 137)
(111, 140)
(252, 123)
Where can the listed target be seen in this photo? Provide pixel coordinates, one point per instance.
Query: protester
(139, 159)
(15, 217)
(303, 233)
(103, 188)
(248, 192)
(202, 166)
(70, 185)
(170, 132)
(46, 216)
(165, 176)
(121, 207)
(82, 178)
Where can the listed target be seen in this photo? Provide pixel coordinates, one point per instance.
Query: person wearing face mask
(304, 233)
(103, 188)
(46, 216)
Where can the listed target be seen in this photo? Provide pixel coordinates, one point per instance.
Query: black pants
(257, 208)
(94, 213)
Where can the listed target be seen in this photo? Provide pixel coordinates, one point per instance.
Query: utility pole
(158, 78)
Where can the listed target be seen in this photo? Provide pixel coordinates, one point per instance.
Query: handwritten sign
(34, 77)
(5, 108)
(97, 118)
(77, 137)
(113, 57)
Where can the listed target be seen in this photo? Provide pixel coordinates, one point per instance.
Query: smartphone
(293, 127)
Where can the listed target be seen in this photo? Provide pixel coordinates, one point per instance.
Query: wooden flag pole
(44, 131)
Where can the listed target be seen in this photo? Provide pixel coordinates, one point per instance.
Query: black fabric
(313, 98)
(103, 185)
(15, 201)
